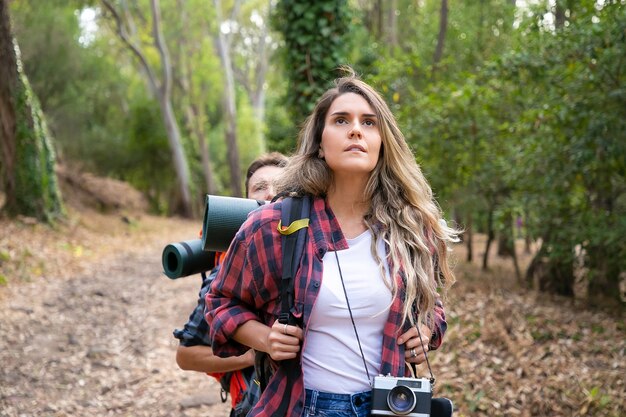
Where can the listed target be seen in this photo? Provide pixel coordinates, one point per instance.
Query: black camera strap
(414, 366)
(419, 333)
(369, 378)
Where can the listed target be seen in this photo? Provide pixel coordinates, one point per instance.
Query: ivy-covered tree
(316, 44)
(26, 152)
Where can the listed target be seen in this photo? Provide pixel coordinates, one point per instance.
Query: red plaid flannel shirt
(248, 288)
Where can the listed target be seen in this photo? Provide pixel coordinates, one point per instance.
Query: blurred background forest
(515, 109)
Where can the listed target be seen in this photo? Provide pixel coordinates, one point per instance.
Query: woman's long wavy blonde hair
(402, 210)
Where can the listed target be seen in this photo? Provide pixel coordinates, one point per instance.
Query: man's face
(261, 183)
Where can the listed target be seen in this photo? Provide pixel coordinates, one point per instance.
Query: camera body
(393, 396)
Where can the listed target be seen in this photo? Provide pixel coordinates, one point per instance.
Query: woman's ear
(320, 153)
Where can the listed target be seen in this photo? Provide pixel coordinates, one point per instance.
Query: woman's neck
(349, 207)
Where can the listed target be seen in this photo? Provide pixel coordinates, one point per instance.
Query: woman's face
(351, 139)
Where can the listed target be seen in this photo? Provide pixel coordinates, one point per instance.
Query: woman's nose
(355, 131)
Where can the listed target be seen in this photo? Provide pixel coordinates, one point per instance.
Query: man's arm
(200, 358)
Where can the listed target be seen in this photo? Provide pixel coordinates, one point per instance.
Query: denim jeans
(324, 404)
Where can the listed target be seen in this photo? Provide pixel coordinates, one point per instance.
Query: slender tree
(250, 49)
(161, 88)
(441, 38)
(26, 151)
(229, 103)
(195, 94)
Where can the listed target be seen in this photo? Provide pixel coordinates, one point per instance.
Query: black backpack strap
(293, 226)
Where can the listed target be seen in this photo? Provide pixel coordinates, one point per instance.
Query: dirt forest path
(87, 316)
(97, 340)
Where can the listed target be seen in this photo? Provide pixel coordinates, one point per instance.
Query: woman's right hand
(283, 341)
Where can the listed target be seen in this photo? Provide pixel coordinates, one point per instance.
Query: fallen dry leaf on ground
(87, 316)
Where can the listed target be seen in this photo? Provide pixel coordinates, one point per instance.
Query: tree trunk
(551, 275)
(195, 102)
(28, 160)
(602, 258)
(518, 272)
(392, 24)
(230, 110)
(258, 97)
(559, 14)
(507, 244)
(161, 92)
(441, 38)
(8, 90)
(178, 156)
(490, 237)
(506, 238)
(380, 11)
(171, 124)
(469, 238)
(605, 282)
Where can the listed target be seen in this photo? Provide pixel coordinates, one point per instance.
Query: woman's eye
(341, 121)
(369, 123)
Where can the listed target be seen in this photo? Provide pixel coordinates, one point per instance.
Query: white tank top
(331, 358)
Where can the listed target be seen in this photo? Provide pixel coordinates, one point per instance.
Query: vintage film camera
(393, 396)
(411, 397)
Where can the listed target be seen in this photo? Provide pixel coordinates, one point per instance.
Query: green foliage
(248, 134)
(518, 118)
(37, 192)
(83, 91)
(316, 41)
(572, 120)
(282, 130)
(146, 156)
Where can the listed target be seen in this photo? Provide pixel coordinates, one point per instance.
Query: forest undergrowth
(508, 351)
(512, 351)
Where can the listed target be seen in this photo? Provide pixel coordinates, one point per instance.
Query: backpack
(295, 213)
(245, 388)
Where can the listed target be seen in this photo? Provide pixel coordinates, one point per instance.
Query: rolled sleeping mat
(223, 216)
(186, 258)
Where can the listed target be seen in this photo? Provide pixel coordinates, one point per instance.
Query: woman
(374, 229)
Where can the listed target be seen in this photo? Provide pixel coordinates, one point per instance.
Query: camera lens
(401, 400)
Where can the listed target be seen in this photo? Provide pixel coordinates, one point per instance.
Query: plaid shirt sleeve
(246, 282)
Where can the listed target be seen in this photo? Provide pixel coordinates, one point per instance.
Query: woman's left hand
(414, 348)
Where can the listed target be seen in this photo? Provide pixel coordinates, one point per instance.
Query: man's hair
(276, 159)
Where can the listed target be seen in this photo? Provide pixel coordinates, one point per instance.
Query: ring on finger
(285, 328)
(413, 353)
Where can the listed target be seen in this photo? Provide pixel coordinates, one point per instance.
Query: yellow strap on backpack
(293, 227)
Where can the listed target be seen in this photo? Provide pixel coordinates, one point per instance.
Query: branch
(261, 69)
(166, 68)
(240, 76)
(123, 34)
